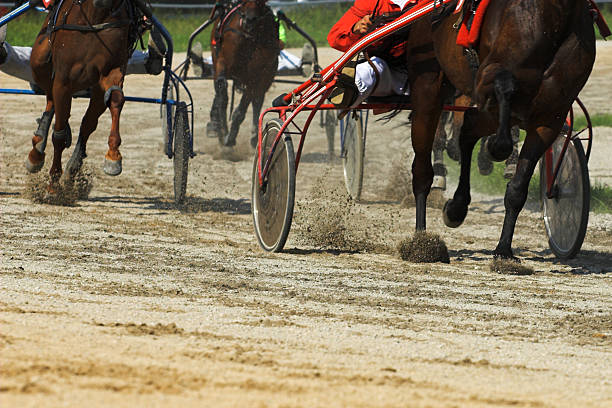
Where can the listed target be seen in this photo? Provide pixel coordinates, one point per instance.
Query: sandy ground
(123, 300)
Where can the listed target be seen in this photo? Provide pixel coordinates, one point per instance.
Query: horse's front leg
(40, 63)
(114, 99)
(237, 118)
(475, 126)
(257, 103)
(427, 102)
(62, 135)
(88, 126)
(217, 127)
(36, 157)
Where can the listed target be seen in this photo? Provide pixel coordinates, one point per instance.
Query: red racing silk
(342, 37)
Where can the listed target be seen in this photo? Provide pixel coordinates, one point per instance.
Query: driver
(387, 56)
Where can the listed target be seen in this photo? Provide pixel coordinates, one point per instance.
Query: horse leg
(427, 102)
(62, 135)
(237, 119)
(114, 99)
(36, 158)
(439, 179)
(41, 71)
(217, 127)
(257, 103)
(88, 126)
(555, 96)
(499, 145)
(475, 126)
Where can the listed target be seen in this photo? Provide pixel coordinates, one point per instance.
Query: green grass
(315, 20)
(601, 198)
(599, 119)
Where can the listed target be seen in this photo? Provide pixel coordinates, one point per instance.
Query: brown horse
(83, 45)
(245, 49)
(534, 58)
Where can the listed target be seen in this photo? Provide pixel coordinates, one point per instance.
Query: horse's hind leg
(557, 92)
(475, 126)
(114, 99)
(257, 103)
(237, 118)
(499, 146)
(88, 126)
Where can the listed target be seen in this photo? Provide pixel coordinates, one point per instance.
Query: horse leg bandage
(109, 91)
(64, 135)
(44, 123)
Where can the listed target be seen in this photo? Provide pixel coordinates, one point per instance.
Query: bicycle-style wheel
(352, 154)
(181, 154)
(272, 203)
(166, 110)
(566, 214)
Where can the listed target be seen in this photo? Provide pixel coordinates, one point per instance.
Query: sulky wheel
(352, 154)
(182, 150)
(272, 203)
(166, 111)
(566, 214)
(331, 120)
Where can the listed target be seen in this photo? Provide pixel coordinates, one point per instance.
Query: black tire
(566, 216)
(164, 119)
(181, 152)
(352, 154)
(272, 204)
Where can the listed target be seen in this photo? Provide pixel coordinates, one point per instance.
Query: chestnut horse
(534, 58)
(83, 45)
(245, 49)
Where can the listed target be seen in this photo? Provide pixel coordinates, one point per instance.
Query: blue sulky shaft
(127, 98)
(15, 13)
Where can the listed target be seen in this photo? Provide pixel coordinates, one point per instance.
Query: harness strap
(93, 27)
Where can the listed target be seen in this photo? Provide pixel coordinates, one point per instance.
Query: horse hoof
(34, 167)
(439, 182)
(498, 151)
(452, 220)
(212, 130)
(112, 167)
(228, 141)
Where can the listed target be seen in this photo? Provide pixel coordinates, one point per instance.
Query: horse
(245, 49)
(83, 45)
(533, 58)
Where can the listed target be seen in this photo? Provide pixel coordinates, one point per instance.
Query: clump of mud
(423, 247)
(69, 190)
(331, 220)
(510, 267)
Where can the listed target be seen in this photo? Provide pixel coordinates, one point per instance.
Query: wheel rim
(564, 213)
(273, 202)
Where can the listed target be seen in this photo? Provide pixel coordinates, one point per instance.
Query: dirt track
(122, 300)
